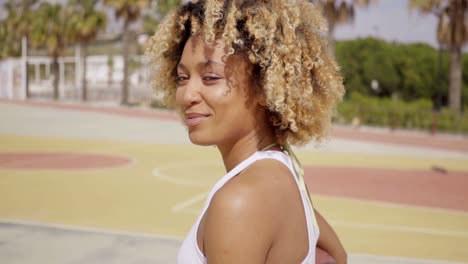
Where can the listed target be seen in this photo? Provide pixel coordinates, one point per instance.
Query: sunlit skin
(218, 103)
(257, 217)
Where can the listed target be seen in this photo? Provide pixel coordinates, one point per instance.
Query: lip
(193, 119)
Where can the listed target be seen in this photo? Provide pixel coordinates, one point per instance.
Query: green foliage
(396, 113)
(129, 10)
(408, 71)
(366, 60)
(86, 20)
(157, 12)
(52, 28)
(17, 24)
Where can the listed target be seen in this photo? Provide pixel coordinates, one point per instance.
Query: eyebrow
(202, 64)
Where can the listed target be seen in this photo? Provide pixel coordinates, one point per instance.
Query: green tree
(409, 71)
(366, 60)
(15, 29)
(3, 39)
(452, 32)
(52, 29)
(9, 39)
(158, 10)
(130, 11)
(87, 21)
(339, 12)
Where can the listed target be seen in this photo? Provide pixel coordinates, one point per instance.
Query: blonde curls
(299, 79)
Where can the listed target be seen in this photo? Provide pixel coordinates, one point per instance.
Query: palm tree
(8, 40)
(339, 12)
(19, 23)
(87, 21)
(3, 40)
(156, 13)
(452, 32)
(129, 10)
(52, 29)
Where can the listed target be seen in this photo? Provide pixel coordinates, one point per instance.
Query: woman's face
(214, 94)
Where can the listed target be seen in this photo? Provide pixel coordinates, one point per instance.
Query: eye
(181, 79)
(210, 78)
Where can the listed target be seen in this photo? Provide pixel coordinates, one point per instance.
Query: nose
(191, 93)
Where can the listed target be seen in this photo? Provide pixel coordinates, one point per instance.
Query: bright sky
(391, 20)
(388, 19)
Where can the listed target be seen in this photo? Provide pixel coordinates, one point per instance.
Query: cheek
(217, 95)
(179, 95)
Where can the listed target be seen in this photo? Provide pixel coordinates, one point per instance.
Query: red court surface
(58, 160)
(409, 187)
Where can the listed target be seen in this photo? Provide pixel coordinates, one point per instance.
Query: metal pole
(438, 101)
(438, 105)
(24, 67)
(62, 76)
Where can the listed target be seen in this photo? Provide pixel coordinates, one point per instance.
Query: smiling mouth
(192, 120)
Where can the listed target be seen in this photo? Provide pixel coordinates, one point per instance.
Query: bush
(396, 113)
(409, 70)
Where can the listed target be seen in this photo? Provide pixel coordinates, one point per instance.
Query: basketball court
(103, 184)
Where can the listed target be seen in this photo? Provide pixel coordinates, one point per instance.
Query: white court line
(401, 228)
(189, 202)
(184, 207)
(364, 258)
(391, 204)
(156, 172)
(174, 180)
(86, 229)
(352, 259)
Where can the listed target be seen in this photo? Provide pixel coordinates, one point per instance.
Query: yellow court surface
(162, 188)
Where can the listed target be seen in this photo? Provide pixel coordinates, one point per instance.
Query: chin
(201, 139)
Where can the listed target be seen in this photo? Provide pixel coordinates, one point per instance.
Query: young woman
(251, 78)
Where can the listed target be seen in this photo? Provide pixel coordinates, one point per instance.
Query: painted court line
(353, 258)
(391, 204)
(86, 229)
(401, 228)
(185, 205)
(174, 180)
(364, 258)
(189, 202)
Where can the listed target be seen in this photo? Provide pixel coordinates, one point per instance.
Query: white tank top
(189, 253)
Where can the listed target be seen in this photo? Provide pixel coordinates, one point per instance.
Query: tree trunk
(455, 79)
(125, 52)
(24, 50)
(438, 99)
(457, 10)
(55, 65)
(84, 83)
(110, 70)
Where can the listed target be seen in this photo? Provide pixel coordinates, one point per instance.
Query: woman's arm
(329, 241)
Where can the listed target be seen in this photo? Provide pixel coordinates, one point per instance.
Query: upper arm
(329, 241)
(238, 225)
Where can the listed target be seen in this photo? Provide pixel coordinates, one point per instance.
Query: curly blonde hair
(283, 39)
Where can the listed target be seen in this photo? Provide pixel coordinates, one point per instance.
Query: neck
(234, 153)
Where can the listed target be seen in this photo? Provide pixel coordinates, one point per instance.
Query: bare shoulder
(258, 191)
(245, 215)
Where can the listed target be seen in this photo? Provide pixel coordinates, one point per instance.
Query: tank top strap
(232, 173)
(282, 157)
(190, 252)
